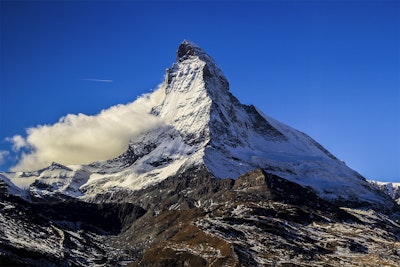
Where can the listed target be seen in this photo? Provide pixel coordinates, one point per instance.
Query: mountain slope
(193, 219)
(203, 124)
(261, 220)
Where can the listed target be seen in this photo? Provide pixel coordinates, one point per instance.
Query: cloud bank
(3, 155)
(81, 139)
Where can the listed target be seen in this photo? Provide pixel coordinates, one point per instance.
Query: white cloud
(81, 139)
(3, 155)
(18, 142)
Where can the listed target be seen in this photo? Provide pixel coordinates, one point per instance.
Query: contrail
(98, 80)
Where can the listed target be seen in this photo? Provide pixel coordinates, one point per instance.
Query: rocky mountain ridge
(193, 219)
(389, 188)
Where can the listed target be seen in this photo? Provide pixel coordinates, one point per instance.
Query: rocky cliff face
(193, 219)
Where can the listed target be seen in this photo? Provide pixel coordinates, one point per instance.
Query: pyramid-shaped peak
(187, 49)
(190, 43)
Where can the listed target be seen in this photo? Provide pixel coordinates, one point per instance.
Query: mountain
(389, 188)
(214, 183)
(204, 125)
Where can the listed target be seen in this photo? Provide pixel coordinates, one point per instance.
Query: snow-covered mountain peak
(194, 86)
(205, 126)
(186, 49)
(191, 59)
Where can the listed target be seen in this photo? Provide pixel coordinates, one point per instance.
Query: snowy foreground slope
(213, 183)
(202, 123)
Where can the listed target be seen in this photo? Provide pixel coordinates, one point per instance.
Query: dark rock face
(230, 217)
(255, 179)
(185, 188)
(188, 49)
(262, 126)
(61, 233)
(193, 219)
(185, 50)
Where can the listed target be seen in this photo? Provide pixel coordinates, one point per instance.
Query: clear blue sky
(328, 68)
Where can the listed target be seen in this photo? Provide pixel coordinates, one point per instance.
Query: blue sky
(328, 68)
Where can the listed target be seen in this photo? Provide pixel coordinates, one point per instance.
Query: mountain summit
(205, 126)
